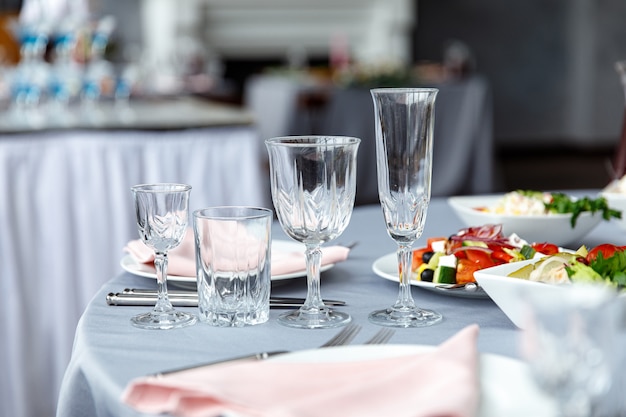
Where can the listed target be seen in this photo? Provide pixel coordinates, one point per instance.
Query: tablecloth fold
(442, 382)
(182, 261)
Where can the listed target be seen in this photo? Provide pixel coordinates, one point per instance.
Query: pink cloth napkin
(439, 383)
(182, 259)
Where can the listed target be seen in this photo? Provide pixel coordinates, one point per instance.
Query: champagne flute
(162, 217)
(404, 150)
(313, 182)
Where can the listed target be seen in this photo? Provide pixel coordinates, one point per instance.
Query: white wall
(375, 29)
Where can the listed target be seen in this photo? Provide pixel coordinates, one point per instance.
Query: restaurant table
(66, 211)
(463, 144)
(109, 352)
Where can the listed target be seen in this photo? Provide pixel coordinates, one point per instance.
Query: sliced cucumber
(434, 260)
(445, 275)
(475, 243)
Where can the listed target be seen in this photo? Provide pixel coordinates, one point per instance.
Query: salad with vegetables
(536, 203)
(605, 263)
(454, 259)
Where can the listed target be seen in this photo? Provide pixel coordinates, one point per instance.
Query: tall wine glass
(313, 182)
(404, 150)
(162, 217)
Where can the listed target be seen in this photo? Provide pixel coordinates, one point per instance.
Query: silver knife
(261, 356)
(141, 292)
(121, 299)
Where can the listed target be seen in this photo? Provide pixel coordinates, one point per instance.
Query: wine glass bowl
(404, 122)
(162, 218)
(313, 184)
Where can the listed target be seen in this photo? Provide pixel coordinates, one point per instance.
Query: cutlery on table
(194, 294)
(345, 336)
(469, 287)
(143, 297)
(381, 337)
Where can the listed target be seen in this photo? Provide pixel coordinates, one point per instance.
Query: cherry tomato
(417, 257)
(546, 248)
(430, 241)
(607, 250)
(465, 271)
(460, 254)
(480, 257)
(500, 256)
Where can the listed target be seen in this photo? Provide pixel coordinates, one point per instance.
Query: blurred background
(549, 64)
(530, 98)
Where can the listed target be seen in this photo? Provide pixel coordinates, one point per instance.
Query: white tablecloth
(66, 212)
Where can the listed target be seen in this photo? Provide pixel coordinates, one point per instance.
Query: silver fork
(381, 337)
(344, 337)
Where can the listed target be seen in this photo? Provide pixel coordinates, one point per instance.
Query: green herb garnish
(612, 268)
(562, 203)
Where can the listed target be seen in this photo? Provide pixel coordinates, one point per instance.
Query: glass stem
(405, 298)
(163, 304)
(313, 264)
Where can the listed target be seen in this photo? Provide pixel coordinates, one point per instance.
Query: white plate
(129, 264)
(507, 388)
(387, 267)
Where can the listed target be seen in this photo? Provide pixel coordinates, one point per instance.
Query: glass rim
(255, 213)
(161, 187)
(313, 140)
(396, 90)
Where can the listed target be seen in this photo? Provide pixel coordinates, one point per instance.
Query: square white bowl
(553, 228)
(509, 293)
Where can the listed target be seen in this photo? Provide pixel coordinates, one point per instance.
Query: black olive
(427, 275)
(426, 256)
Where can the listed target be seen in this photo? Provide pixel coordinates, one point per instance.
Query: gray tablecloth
(109, 352)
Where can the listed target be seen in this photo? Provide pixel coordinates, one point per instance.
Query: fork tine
(344, 337)
(381, 337)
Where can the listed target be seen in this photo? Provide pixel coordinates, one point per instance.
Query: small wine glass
(313, 182)
(162, 217)
(404, 150)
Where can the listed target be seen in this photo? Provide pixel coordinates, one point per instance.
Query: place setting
(223, 264)
(258, 385)
(287, 259)
(229, 249)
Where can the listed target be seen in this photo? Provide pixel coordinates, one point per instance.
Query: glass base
(163, 321)
(413, 317)
(320, 319)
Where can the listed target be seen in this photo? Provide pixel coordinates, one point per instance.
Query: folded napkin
(182, 259)
(438, 383)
